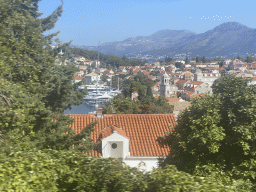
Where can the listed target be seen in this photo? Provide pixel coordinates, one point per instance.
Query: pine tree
(37, 89)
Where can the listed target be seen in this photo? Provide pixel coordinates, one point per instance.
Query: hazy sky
(87, 22)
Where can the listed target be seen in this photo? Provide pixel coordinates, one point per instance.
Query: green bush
(52, 170)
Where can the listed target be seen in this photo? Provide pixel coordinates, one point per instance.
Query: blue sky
(86, 22)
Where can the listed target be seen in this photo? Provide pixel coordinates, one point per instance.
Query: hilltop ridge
(225, 40)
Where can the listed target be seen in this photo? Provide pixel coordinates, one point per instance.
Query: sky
(86, 22)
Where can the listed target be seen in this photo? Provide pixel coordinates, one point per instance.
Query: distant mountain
(228, 39)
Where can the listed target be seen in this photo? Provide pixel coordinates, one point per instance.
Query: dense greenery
(148, 105)
(145, 103)
(52, 170)
(38, 150)
(34, 91)
(217, 134)
(202, 59)
(106, 60)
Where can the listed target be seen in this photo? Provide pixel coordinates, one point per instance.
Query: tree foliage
(114, 61)
(217, 134)
(145, 103)
(52, 170)
(36, 90)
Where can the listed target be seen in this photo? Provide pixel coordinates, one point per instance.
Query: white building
(206, 77)
(132, 137)
(165, 89)
(92, 77)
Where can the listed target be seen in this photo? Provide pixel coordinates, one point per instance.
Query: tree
(217, 133)
(204, 59)
(178, 65)
(38, 90)
(168, 59)
(240, 58)
(218, 59)
(104, 78)
(250, 59)
(187, 60)
(149, 91)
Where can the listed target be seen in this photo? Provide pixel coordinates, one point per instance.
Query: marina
(98, 95)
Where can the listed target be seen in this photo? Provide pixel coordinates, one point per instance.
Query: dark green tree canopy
(37, 90)
(217, 132)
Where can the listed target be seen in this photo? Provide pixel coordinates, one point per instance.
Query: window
(114, 145)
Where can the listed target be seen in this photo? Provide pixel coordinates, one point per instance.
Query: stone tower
(165, 89)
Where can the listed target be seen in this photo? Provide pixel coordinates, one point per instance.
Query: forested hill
(228, 40)
(71, 52)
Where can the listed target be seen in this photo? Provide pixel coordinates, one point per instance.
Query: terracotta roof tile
(189, 93)
(253, 78)
(181, 81)
(198, 95)
(173, 99)
(109, 130)
(142, 130)
(195, 82)
(78, 78)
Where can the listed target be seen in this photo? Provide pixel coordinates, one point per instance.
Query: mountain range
(226, 40)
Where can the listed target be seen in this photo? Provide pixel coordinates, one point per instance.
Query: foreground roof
(142, 130)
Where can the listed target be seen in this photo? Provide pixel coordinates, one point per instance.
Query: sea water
(84, 108)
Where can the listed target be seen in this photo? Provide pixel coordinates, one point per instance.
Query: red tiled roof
(253, 78)
(142, 130)
(181, 81)
(195, 82)
(145, 72)
(78, 78)
(198, 95)
(189, 93)
(135, 71)
(173, 99)
(109, 131)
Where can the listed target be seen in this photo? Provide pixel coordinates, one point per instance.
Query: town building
(92, 77)
(196, 87)
(206, 77)
(77, 79)
(132, 137)
(165, 89)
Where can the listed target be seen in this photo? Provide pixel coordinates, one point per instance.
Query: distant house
(82, 67)
(253, 81)
(179, 104)
(79, 73)
(188, 76)
(206, 77)
(181, 84)
(122, 69)
(89, 78)
(143, 72)
(135, 72)
(227, 62)
(132, 137)
(198, 87)
(77, 79)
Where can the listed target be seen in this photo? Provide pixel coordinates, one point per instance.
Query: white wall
(122, 149)
(150, 162)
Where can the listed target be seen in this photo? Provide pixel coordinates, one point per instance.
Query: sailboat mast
(97, 64)
(97, 68)
(118, 83)
(111, 83)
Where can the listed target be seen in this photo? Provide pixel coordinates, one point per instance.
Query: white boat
(99, 93)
